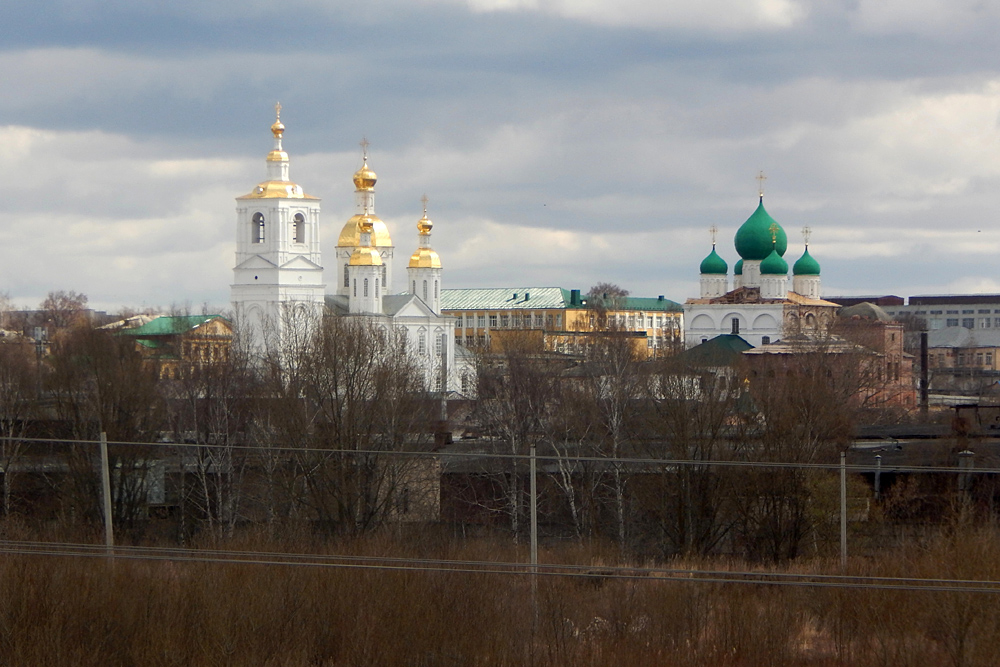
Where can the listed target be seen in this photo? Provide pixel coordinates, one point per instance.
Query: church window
(347, 275)
(258, 228)
(366, 287)
(736, 326)
(422, 343)
(299, 229)
(425, 290)
(765, 340)
(376, 289)
(435, 289)
(355, 287)
(438, 344)
(465, 383)
(383, 275)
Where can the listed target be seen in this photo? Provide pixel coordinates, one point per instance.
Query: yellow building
(564, 317)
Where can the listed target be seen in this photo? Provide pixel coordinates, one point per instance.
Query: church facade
(758, 305)
(279, 291)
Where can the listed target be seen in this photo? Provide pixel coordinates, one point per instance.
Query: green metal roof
(720, 351)
(536, 298)
(169, 325)
(504, 298)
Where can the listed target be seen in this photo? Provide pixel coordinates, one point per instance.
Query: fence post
(109, 531)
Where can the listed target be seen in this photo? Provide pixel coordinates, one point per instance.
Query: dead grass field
(63, 611)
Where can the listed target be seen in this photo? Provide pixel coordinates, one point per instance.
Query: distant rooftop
(536, 298)
(169, 325)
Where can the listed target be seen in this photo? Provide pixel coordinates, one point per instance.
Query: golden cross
(774, 232)
(424, 200)
(713, 230)
(277, 110)
(806, 233)
(760, 180)
(364, 147)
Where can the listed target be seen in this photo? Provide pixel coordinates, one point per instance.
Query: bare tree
(61, 309)
(17, 394)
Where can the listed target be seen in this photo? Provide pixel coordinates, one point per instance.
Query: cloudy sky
(560, 142)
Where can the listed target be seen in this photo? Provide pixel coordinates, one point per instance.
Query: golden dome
(366, 257)
(364, 178)
(277, 156)
(277, 190)
(350, 235)
(424, 225)
(424, 258)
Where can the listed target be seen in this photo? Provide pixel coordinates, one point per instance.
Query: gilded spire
(278, 154)
(364, 178)
(424, 225)
(278, 128)
(760, 183)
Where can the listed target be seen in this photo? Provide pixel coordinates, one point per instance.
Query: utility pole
(109, 530)
(843, 510)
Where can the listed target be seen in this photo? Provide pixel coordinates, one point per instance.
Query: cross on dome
(760, 182)
(713, 231)
(774, 232)
(364, 147)
(806, 233)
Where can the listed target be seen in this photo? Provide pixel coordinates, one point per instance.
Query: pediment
(257, 262)
(301, 263)
(412, 307)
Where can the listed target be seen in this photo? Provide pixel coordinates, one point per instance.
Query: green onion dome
(806, 265)
(738, 269)
(714, 264)
(753, 239)
(773, 265)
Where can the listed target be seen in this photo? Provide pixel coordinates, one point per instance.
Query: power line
(427, 565)
(268, 449)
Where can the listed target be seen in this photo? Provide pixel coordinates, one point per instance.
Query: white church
(278, 288)
(758, 305)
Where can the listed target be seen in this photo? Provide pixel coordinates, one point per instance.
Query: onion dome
(773, 265)
(713, 264)
(366, 255)
(806, 265)
(754, 237)
(364, 178)
(350, 235)
(424, 225)
(738, 269)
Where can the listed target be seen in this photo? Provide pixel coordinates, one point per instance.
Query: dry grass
(77, 611)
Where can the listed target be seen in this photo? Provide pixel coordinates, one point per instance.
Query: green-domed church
(759, 306)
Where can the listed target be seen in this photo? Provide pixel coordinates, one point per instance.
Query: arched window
(765, 340)
(414, 290)
(435, 289)
(376, 289)
(736, 326)
(347, 276)
(383, 275)
(355, 287)
(257, 229)
(299, 229)
(366, 287)
(425, 290)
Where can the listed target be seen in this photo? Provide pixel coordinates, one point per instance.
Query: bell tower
(278, 288)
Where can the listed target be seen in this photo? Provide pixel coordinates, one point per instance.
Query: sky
(559, 142)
